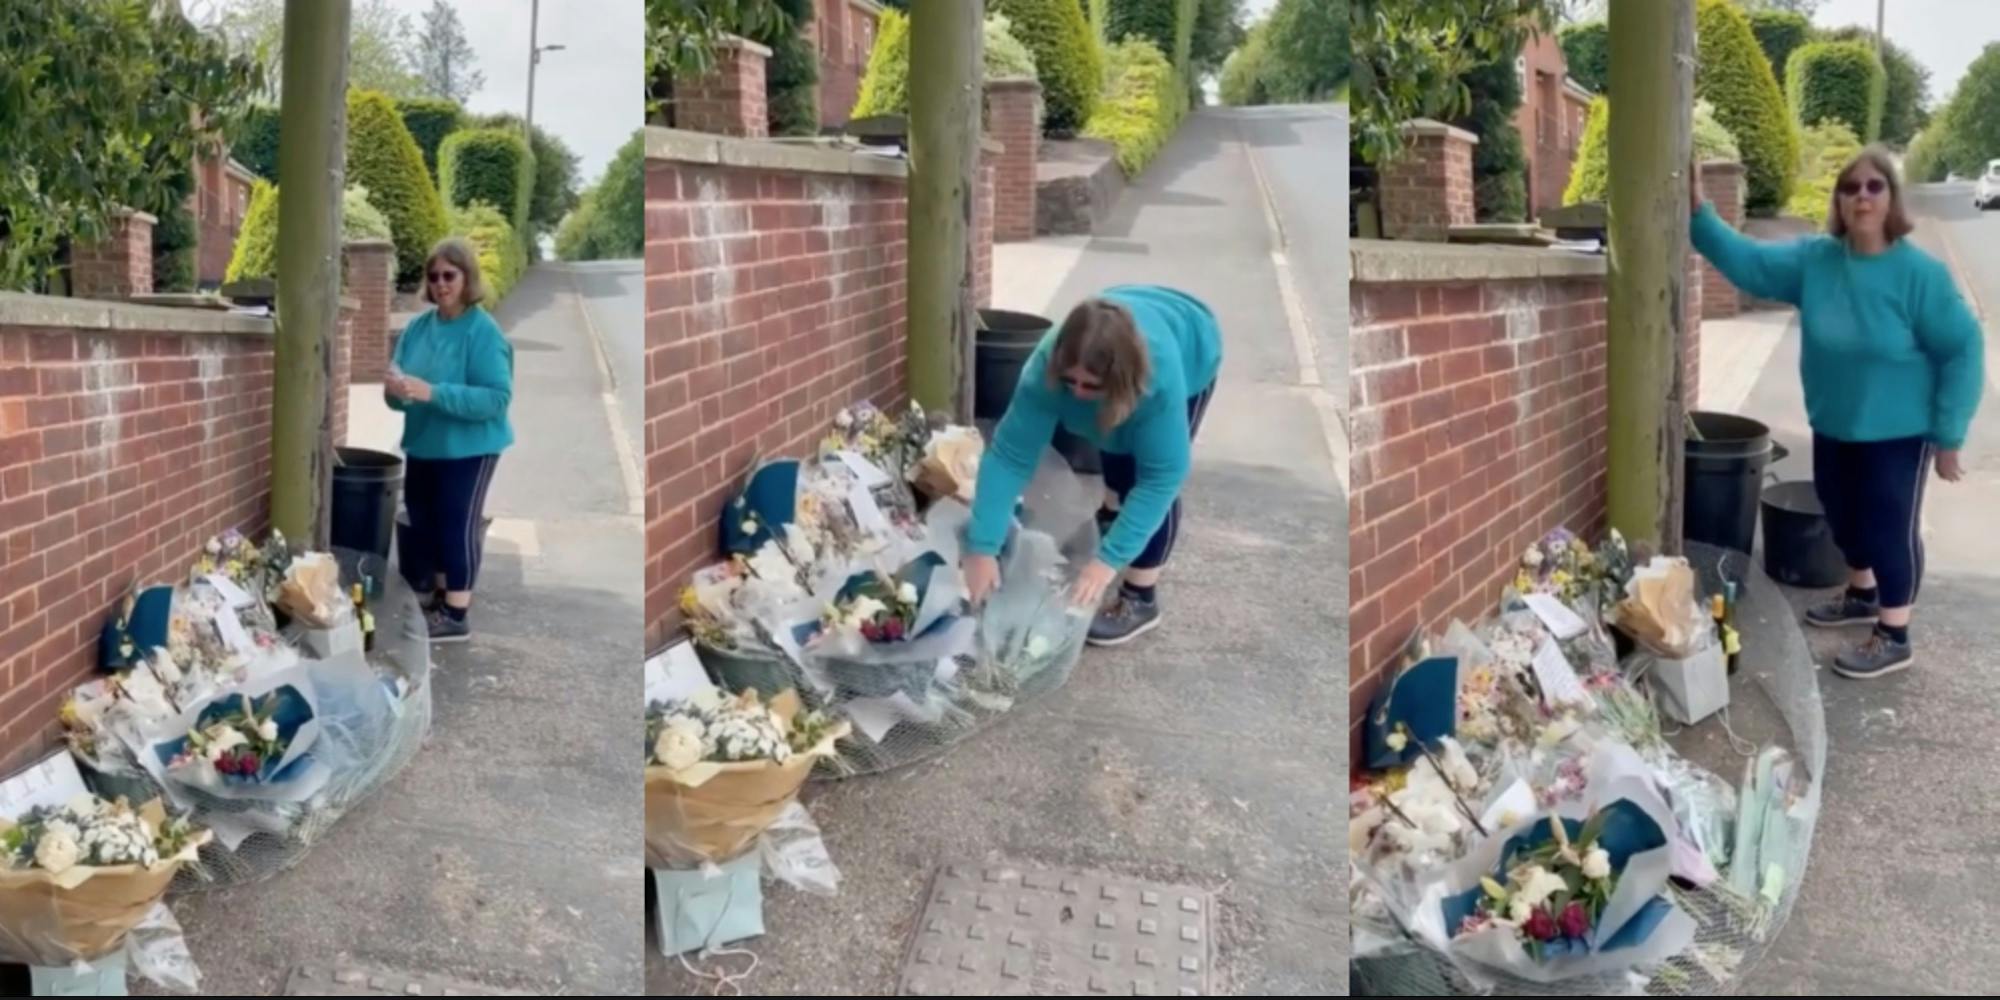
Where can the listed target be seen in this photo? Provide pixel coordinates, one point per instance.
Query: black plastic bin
(1001, 348)
(1724, 468)
(367, 490)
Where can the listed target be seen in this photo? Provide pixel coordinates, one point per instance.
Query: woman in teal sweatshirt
(1131, 372)
(1893, 365)
(452, 377)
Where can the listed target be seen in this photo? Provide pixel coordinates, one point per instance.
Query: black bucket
(1725, 476)
(1799, 550)
(367, 488)
(1005, 342)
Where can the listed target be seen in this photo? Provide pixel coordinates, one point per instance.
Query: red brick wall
(730, 99)
(371, 281)
(117, 266)
(1013, 119)
(844, 33)
(1428, 189)
(221, 198)
(124, 444)
(772, 300)
(1723, 184)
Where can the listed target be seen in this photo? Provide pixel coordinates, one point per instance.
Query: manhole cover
(364, 981)
(1005, 931)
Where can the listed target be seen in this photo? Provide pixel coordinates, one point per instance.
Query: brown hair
(1896, 224)
(1101, 338)
(458, 253)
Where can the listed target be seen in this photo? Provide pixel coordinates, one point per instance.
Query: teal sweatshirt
(470, 367)
(1185, 348)
(1889, 348)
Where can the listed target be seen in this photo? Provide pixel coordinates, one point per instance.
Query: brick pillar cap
(370, 243)
(1021, 84)
(349, 303)
(990, 145)
(743, 44)
(1427, 127)
(146, 217)
(1722, 167)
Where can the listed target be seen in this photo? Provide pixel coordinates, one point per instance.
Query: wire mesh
(1735, 929)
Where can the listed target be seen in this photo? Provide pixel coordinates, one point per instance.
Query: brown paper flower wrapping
(83, 914)
(714, 812)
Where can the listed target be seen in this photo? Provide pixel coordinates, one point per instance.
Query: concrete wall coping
(1384, 262)
(744, 44)
(48, 311)
(1427, 127)
(370, 243)
(1026, 84)
(678, 145)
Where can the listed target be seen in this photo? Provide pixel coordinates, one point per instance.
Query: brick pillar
(983, 222)
(1428, 189)
(342, 375)
(1693, 300)
(370, 268)
(1014, 119)
(730, 99)
(1723, 184)
(119, 265)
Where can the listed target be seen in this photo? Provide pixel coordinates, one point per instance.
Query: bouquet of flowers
(877, 608)
(886, 633)
(257, 569)
(241, 744)
(76, 878)
(720, 769)
(1554, 893)
(896, 442)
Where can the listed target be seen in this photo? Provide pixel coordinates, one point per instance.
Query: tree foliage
(1780, 33)
(1965, 133)
(885, 88)
(1143, 103)
(446, 64)
(555, 172)
(681, 37)
(1906, 94)
(491, 165)
(609, 223)
(1586, 49)
(383, 157)
(253, 140)
(256, 252)
(1825, 149)
(1590, 175)
(1837, 81)
(1066, 57)
(378, 44)
(1411, 58)
(1311, 53)
(429, 120)
(1732, 74)
(1499, 161)
(1218, 30)
(72, 156)
(503, 255)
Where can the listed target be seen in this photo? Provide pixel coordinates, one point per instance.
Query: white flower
(1519, 911)
(907, 593)
(679, 745)
(267, 730)
(864, 609)
(1597, 864)
(1538, 884)
(844, 419)
(1398, 741)
(84, 805)
(1533, 557)
(705, 699)
(749, 527)
(57, 851)
(1038, 646)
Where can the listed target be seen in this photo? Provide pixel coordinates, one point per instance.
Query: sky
(589, 94)
(1945, 35)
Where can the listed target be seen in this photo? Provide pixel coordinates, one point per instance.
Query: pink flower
(1541, 926)
(1575, 921)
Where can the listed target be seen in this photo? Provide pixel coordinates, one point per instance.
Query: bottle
(365, 617)
(1732, 640)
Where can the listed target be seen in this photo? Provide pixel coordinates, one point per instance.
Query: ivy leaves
(1411, 57)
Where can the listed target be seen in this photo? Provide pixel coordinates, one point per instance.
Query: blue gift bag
(698, 911)
(102, 978)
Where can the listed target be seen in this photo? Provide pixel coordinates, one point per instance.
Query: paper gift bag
(700, 910)
(1692, 687)
(102, 978)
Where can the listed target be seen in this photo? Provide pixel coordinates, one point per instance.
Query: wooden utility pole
(312, 169)
(1652, 71)
(946, 42)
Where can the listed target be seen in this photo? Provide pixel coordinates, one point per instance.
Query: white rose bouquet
(76, 878)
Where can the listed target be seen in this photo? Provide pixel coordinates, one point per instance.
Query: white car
(1987, 194)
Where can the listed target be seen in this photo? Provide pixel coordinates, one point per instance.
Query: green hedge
(503, 256)
(1907, 88)
(1587, 49)
(1500, 160)
(1066, 56)
(256, 252)
(175, 241)
(1153, 20)
(493, 165)
(383, 157)
(1144, 102)
(885, 89)
(1826, 149)
(609, 223)
(253, 141)
(1733, 75)
(1590, 176)
(1837, 81)
(430, 120)
(1780, 33)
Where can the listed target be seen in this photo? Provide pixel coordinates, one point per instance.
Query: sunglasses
(443, 277)
(1082, 385)
(1873, 185)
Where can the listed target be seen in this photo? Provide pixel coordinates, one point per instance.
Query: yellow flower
(1493, 889)
(690, 602)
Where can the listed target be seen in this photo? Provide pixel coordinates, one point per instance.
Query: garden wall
(1479, 425)
(128, 436)
(774, 296)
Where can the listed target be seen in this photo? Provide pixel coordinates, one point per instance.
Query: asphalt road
(613, 293)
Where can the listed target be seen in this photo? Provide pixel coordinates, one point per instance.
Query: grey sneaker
(445, 628)
(1843, 611)
(1877, 656)
(1125, 620)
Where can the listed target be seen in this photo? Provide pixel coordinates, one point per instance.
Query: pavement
(1210, 753)
(1898, 898)
(505, 855)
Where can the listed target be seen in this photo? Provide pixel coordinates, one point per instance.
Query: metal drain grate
(996, 930)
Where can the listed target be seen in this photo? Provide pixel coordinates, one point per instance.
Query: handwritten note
(52, 782)
(1560, 685)
(870, 474)
(868, 514)
(675, 674)
(234, 595)
(234, 635)
(1556, 615)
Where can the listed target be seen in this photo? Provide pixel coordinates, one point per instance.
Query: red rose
(1541, 926)
(1575, 921)
(250, 763)
(893, 629)
(871, 631)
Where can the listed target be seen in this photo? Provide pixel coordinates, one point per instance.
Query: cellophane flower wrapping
(77, 880)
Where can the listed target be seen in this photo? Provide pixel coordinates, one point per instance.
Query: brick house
(220, 201)
(843, 31)
(1553, 111)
